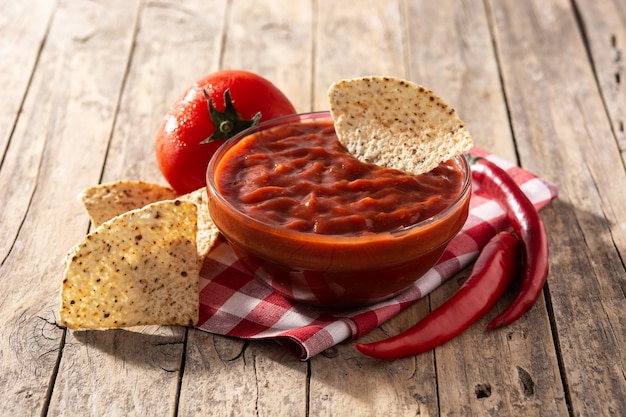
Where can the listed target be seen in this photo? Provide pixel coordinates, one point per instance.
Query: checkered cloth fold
(234, 303)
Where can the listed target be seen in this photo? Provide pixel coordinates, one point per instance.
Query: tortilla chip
(139, 268)
(105, 201)
(396, 124)
(207, 231)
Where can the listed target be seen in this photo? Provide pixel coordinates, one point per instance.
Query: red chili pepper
(528, 226)
(491, 275)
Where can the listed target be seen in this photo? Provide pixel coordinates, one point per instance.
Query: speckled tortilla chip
(139, 268)
(396, 124)
(207, 231)
(105, 201)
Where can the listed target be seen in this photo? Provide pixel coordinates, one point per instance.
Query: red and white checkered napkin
(234, 303)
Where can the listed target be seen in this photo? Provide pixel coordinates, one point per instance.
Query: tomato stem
(226, 127)
(229, 122)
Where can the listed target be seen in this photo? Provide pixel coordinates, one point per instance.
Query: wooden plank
(454, 57)
(274, 41)
(481, 372)
(356, 39)
(563, 134)
(344, 379)
(510, 371)
(22, 32)
(226, 377)
(157, 77)
(137, 371)
(23, 27)
(57, 148)
(119, 372)
(260, 377)
(604, 26)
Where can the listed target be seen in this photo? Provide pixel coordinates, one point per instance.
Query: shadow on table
(157, 346)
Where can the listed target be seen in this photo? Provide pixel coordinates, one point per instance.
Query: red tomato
(181, 155)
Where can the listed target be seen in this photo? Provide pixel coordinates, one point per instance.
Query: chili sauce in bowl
(321, 227)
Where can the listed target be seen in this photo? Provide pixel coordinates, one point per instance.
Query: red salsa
(300, 177)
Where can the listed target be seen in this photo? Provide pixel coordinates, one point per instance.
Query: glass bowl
(335, 271)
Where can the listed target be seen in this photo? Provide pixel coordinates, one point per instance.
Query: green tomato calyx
(228, 122)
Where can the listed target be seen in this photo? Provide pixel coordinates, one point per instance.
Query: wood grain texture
(162, 67)
(604, 31)
(263, 38)
(21, 34)
(563, 134)
(455, 58)
(64, 113)
(497, 373)
(125, 372)
(225, 377)
(344, 379)
(379, 48)
(23, 27)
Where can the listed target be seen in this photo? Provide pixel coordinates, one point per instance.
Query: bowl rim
(278, 230)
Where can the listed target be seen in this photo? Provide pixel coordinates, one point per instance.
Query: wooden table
(84, 87)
